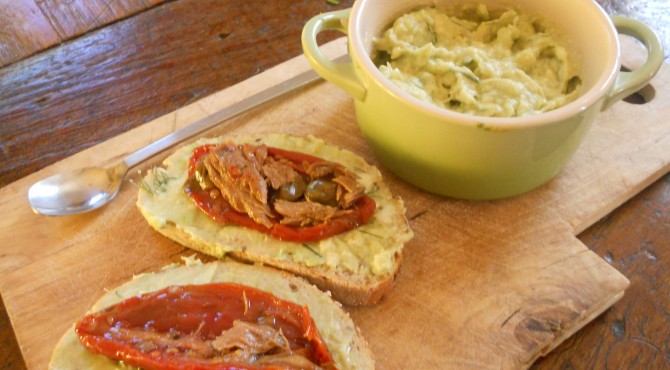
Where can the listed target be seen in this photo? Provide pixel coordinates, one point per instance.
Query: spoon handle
(224, 114)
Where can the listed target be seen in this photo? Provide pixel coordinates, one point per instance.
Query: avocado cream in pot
(476, 62)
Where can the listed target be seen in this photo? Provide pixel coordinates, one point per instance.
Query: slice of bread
(358, 267)
(345, 342)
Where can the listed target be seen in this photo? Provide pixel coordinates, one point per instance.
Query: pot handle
(342, 75)
(629, 82)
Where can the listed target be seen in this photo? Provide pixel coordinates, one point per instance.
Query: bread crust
(362, 287)
(346, 288)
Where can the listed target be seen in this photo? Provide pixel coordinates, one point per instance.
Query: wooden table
(87, 90)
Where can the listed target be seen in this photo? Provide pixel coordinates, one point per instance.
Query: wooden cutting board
(483, 284)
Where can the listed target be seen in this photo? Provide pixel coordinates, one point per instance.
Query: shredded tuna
(321, 169)
(240, 181)
(246, 343)
(150, 340)
(278, 173)
(256, 155)
(248, 340)
(305, 213)
(352, 190)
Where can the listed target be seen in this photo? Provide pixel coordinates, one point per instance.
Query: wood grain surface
(52, 107)
(30, 26)
(490, 284)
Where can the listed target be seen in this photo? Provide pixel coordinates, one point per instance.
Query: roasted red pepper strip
(201, 313)
(361, 211)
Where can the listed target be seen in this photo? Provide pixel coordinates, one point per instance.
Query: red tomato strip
(197, 154)
(220, 210)
(295, 157)
(201, 313)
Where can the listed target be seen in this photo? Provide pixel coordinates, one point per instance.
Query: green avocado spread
(477, 62)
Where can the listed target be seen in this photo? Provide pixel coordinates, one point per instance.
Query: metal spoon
(89, 188)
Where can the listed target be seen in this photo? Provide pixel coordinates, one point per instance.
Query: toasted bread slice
(345, 342)
(358, 267)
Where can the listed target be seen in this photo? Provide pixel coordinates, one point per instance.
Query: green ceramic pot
(471, 157)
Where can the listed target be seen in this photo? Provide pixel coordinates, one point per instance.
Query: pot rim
(587, 100)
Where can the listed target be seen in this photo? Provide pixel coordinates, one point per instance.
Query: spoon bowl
(78, 191)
